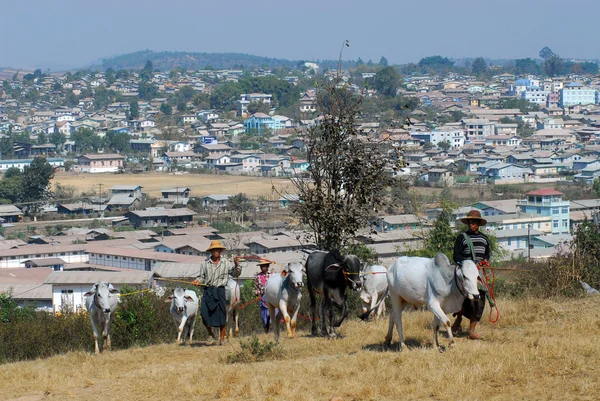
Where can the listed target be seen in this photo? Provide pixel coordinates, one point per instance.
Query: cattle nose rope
(490, 288)
(133, 293)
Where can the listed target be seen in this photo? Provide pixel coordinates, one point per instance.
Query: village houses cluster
(483, 144)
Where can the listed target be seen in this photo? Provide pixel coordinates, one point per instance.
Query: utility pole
(101, 202)
(529, 242)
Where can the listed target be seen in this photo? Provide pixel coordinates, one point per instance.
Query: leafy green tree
(58, 139)
(146, 72)
(240, 204)
(166, 109)
(36, 179)
(360, 61)
(554, 65)
(181, 106)
(110, 76)
(526, 66)
(441, 237)
(42, 139)
(479, 66)
(427, 146)
(13, 172)
(147, 91)
(436, 63)
(387, 81)
(258, 107)
(6, 148)
(186, 93)
(87, 140)
(383, 62)
(513, 103)
(134, 109)
(444, 145)
(11, 188)
(118, 142)
(546, 53)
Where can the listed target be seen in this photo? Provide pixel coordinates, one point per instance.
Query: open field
(539, 350)
(200, 184)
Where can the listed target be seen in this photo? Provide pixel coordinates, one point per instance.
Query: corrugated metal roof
(177, 270)
(87, 277)
(28, 291)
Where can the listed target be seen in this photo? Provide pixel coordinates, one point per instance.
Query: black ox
(329, 274)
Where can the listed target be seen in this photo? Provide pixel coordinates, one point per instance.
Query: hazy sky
(73, 33)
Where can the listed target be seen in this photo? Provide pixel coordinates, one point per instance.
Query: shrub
(253, 350)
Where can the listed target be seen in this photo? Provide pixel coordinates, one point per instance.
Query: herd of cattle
(409, 282)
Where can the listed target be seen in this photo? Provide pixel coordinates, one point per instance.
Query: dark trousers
(213, 309)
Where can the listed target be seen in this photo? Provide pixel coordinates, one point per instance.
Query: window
(565, 223)
(509, 241)
(555, 224)
(539, 210)
(539, 225)
(565, 210)
(515, 226)
(555, 210)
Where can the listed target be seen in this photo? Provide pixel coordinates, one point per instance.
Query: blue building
(575, 93)
(548, 202)
(259, 121)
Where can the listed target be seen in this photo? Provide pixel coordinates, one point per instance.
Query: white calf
(184, 309)
(285, 292)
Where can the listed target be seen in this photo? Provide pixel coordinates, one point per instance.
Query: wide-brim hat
(215, 244)
(474, 215)
(264, 262)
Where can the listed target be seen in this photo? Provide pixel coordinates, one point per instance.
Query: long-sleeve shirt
(259, 286)
(216, 275)
(481, 246)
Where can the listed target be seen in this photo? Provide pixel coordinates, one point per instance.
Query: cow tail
(365, 315)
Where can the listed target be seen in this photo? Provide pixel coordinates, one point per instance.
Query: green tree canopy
(383, 62)
(479, 66)
(36, 179)
(527, 66)
(387, 81)
(546, 53)
(554, 65)
(166, 109)
(134, 109)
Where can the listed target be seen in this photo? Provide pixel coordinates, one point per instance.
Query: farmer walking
(260, 282)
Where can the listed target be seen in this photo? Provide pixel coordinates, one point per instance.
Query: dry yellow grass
(540, 350)
(200, 184)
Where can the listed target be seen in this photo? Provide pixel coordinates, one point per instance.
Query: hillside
(166, 60)
(540, 349)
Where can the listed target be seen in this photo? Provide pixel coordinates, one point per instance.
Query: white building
(477, 129)
(575, 93)
(454, 136)
(535, 94)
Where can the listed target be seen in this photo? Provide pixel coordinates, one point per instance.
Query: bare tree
(349, 174)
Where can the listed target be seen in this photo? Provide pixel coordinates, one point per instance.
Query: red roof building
(544, 192)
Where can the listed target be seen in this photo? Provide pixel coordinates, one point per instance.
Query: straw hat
(215, 244)
(474, 215)
(264, 262)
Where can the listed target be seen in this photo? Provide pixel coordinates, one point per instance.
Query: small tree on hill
(348, 175)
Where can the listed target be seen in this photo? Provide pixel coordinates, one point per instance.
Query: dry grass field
(539, 350)
(200, 184)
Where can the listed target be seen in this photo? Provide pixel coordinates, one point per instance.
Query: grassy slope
(540, 349)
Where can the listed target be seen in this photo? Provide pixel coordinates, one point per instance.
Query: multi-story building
(535, 94)
(575, 93)
(548, 202)
(477, 129)
(246, 99)
(260, 121)
(100, 163)
(455, 137)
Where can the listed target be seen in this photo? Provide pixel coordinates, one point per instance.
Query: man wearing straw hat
(475, 246)
(214, 274)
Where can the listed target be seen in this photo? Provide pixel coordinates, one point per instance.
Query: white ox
(101, 302)
(184, 309)
(232, 301)
(285, 292)
(433, 282)
(374, 286)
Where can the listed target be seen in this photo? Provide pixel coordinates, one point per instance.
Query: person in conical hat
(472, 240)
(214, 275)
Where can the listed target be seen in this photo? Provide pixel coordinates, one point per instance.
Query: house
(588, 174)
(547, 202)
(79, 208)
(511, 240)
(544, 170)
(22, 163)
(515, 221)
(246, 99)
(10, 214)
(68, 288)
(218, 201)
(440, 177)
(125, 197)
(215, 160)
(397, 222)
(477, 129)
(212, 149)
(471, 165)
(56, 264)
(507, 171)
(288, 199)
(280, 244)
(502, 140)
(160, 217)
(249, 163)
(259, 121)
(175, 196)
(100, 163)
(180, 159)
(575, 93)
(269, 227)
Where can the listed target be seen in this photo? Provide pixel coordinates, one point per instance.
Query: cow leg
(236, 316)
(344, 311)
(381, 310)
(294, 318)
(105, 337)
(396, 317)
(180, 328)
(274, 321)
(324, 332)
(437, 310)
(191, 323)
(95, 331)
(286, 316)
(329, 307)
(373, 303)
(313, 313)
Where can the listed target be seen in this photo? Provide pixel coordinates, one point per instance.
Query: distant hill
(166, 60)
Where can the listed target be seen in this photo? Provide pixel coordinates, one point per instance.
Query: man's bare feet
(474, 336)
